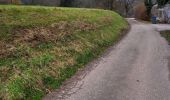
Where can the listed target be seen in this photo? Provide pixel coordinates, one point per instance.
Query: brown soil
(35, 36)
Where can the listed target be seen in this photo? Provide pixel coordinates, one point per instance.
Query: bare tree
(128, 4)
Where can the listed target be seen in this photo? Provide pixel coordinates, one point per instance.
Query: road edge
(63, 91)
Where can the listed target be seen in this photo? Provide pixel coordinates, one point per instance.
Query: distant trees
(16, 1)
(5, 1)
(162, 2)
(27, 1)
(67, 3)
(110, 4)
(106, 4)
(128, 5)
(149, 4)
(10, 2)
(42, 2)
(123, 7)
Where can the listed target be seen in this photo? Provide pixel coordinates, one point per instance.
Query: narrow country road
(135, 69)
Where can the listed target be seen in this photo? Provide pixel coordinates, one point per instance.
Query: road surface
(135, 69)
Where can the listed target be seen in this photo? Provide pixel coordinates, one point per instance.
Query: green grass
(41, 47)
(166, 34)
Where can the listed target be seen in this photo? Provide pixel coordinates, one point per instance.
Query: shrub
(141, 12)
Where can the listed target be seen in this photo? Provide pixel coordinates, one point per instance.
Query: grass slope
(40, 47)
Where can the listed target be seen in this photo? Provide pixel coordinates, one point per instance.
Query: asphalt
(135, 69)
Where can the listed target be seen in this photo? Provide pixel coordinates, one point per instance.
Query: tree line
(121, 6)
(149, 4)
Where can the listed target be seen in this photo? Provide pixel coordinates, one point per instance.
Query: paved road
(135, 69)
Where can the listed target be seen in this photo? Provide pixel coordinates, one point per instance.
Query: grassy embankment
(166, 34)
(40, 47)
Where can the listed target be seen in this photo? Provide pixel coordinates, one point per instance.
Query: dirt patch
(55, 32)
(107, 19)
(6, 49)
(35, 36)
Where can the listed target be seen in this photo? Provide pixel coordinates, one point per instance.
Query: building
(162, 14)
(167, 13)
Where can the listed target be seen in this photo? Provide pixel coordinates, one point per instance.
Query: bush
(16, 2)
(141, 12)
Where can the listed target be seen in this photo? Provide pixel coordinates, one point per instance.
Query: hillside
(40, 47)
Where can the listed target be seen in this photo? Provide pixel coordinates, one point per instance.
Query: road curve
(135, 69)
